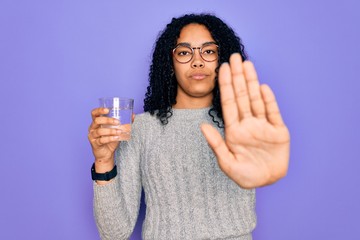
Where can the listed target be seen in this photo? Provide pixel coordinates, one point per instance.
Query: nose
(197, 61)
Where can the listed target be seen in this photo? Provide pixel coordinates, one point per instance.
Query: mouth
(198, 76)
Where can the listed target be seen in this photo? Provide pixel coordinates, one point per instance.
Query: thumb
(217, 144)
(133, 117)
(211, 135)
(224, 157)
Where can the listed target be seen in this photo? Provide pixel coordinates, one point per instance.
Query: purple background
(58, 57)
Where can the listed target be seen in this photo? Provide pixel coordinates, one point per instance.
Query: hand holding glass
(121, 109)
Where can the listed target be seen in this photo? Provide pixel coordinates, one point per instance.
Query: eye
(183, 53)
(209, 50)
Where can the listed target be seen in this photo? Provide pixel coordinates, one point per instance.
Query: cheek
(214, 66)
(179, 70)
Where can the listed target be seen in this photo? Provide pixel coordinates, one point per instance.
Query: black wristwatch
(103, 176)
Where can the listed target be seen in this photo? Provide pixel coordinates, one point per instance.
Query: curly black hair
(162, 89)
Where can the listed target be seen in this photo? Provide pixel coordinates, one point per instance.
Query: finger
(106, 121)
(256, 101)
(219, 147)
(228, 104)
(125, 128)
(103, 132)
(93, 126)
(133, 117)
(95, 113)
(101, 140)
(271, 107)
(240, 87)
(105, 140)
(99, 121)
(98, 112)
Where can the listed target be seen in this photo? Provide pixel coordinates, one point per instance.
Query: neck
(193, 103)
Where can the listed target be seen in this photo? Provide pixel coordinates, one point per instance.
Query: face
(196, 78)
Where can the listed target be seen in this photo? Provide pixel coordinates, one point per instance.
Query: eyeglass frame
(193, 51)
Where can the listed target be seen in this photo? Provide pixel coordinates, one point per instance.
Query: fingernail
(116, 121)
(116, 137)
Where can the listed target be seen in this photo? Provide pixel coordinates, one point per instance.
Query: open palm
(255, 151)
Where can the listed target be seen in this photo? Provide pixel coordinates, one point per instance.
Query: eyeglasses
(183, 53)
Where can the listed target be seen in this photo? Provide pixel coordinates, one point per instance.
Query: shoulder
(144, 117)
(144, 120)
(145, 126)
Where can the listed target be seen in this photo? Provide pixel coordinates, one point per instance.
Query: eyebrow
(189, 45)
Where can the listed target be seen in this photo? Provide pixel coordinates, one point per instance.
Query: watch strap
(103, 176)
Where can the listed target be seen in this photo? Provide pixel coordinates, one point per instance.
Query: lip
(198, 76)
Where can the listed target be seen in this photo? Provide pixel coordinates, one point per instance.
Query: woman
(198, 156)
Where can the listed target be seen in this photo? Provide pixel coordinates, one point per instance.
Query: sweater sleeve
(116, 204)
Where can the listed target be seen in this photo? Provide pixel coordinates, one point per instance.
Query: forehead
(195, 34)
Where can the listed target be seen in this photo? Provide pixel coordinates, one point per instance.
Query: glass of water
(121, 109)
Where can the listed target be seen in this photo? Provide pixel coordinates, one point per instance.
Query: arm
(116, 203)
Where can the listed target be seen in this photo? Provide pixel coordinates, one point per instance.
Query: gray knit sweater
(187, 195)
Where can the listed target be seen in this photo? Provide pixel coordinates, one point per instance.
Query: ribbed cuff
(105, 193)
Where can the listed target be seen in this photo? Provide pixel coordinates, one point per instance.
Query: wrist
(101, 166)
(106, 176)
